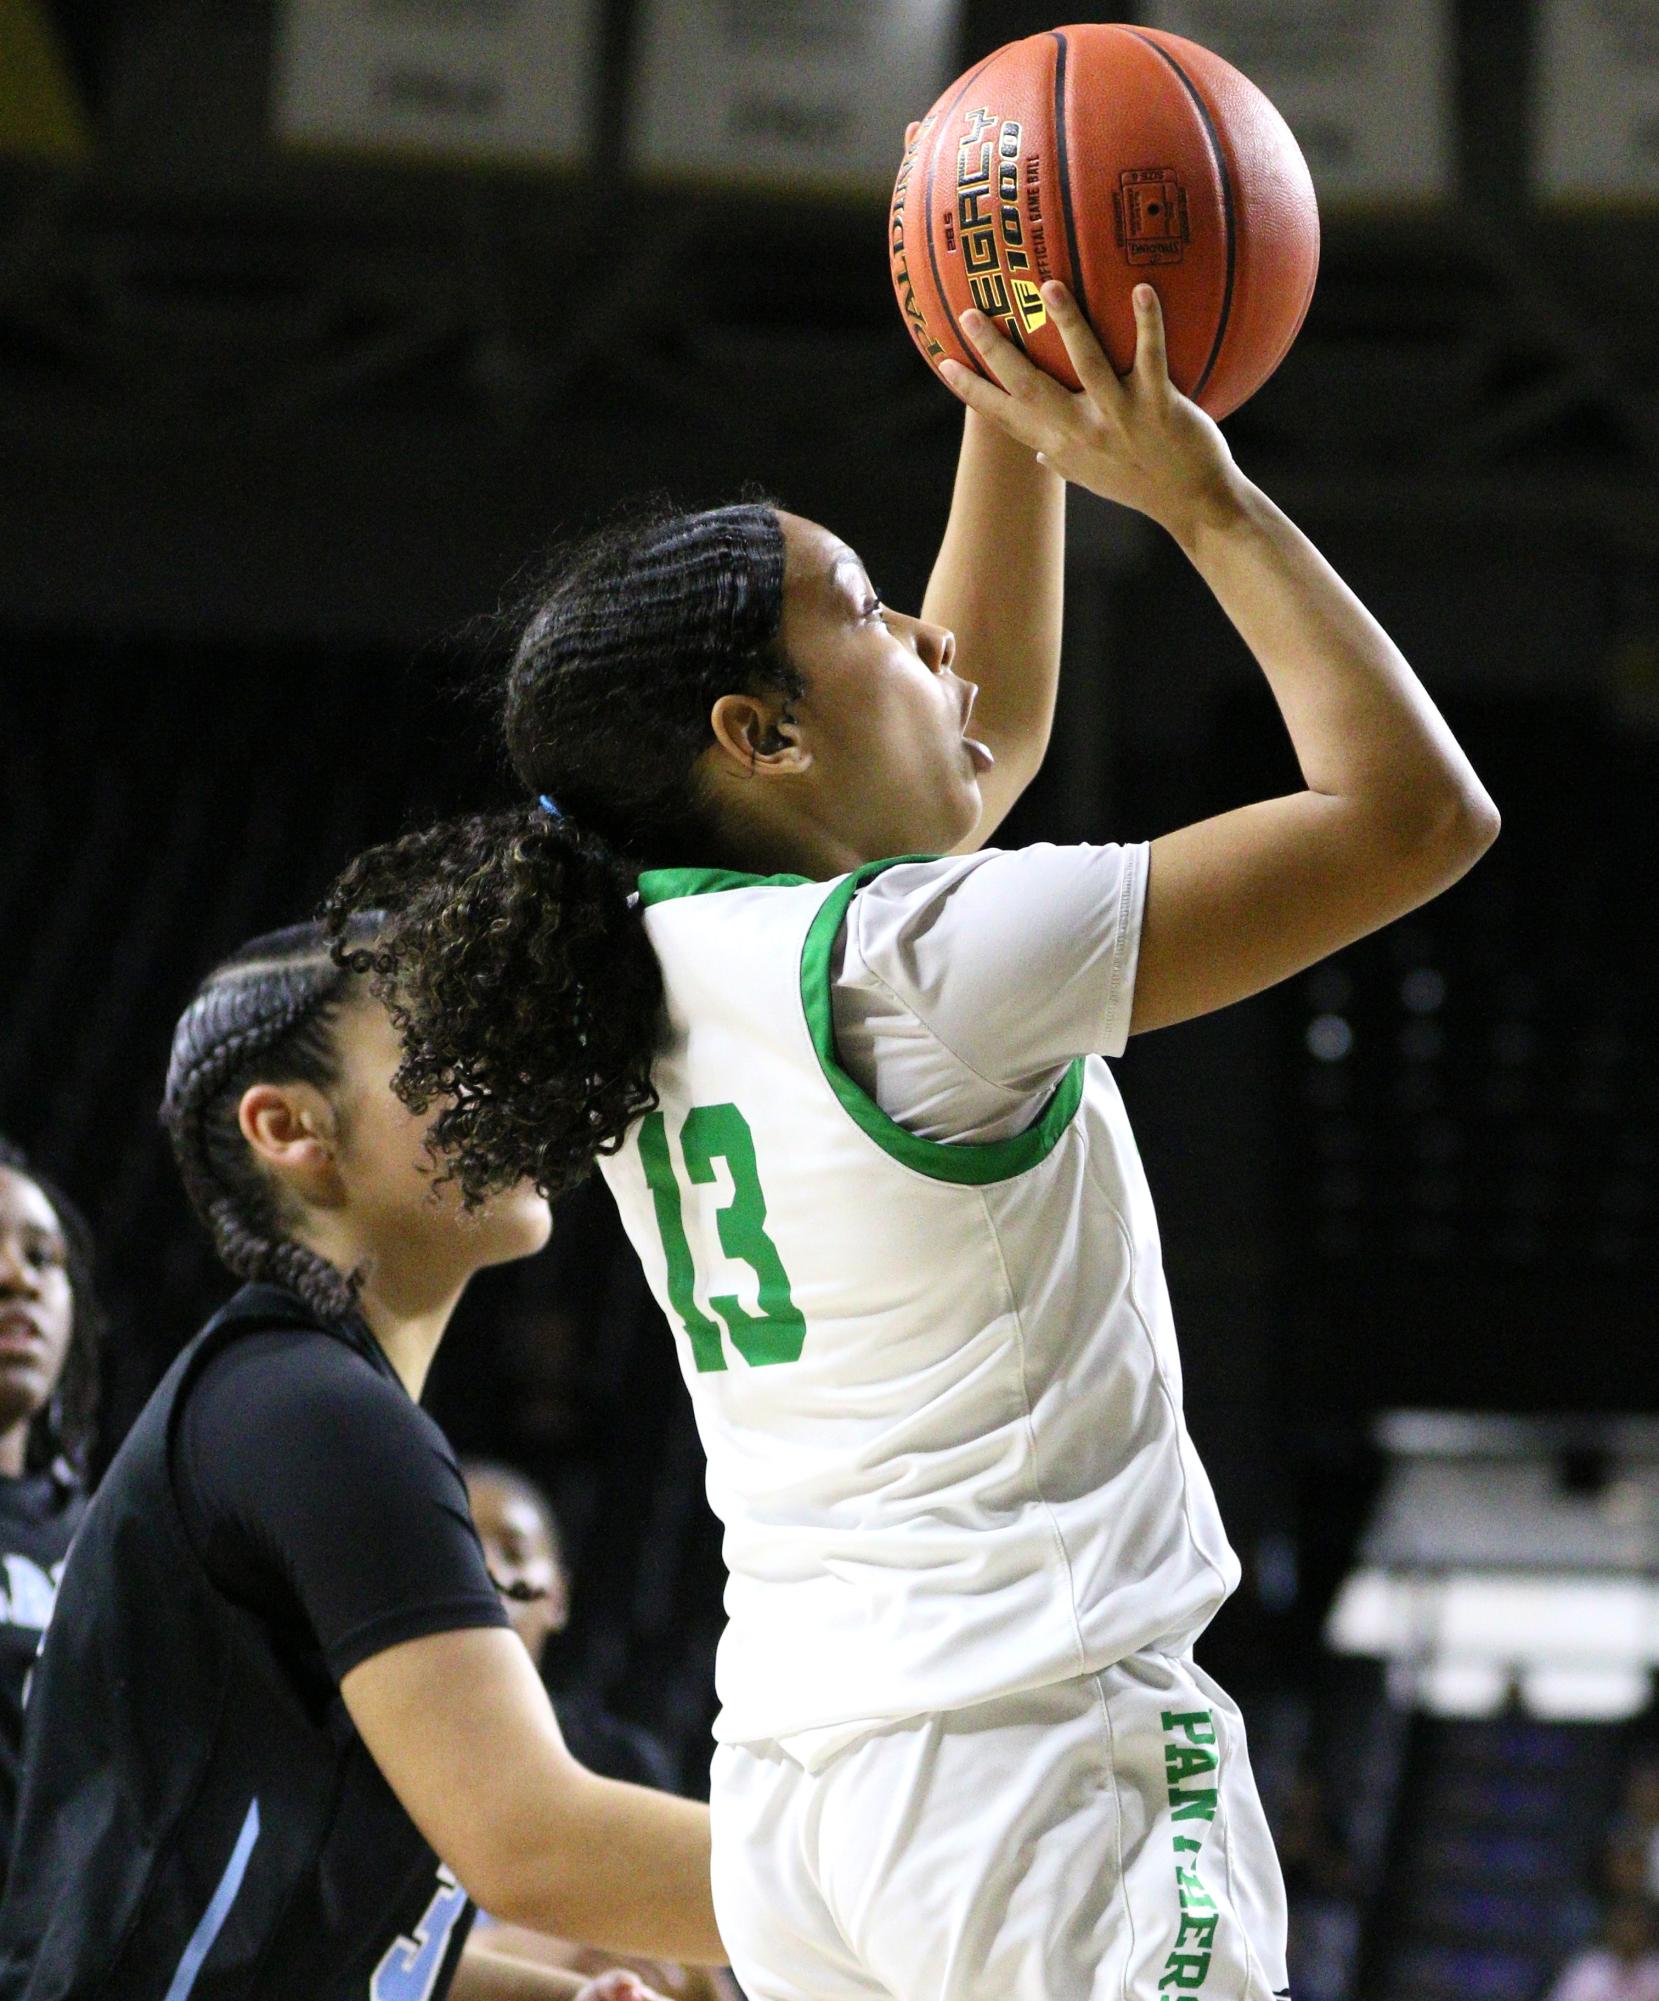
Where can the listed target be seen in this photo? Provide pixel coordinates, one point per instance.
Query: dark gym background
(277, 432)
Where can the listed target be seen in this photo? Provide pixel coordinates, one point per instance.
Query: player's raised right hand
(1134, 439)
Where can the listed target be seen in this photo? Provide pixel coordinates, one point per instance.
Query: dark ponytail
(267, 1015)
(62, 1431)
(508, 947)
(523, 989)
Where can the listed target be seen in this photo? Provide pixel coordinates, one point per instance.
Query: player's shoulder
(920, 886)
(297, 1376)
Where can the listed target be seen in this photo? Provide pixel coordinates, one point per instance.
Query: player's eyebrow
(849, 559)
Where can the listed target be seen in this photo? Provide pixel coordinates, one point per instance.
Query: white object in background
(507, 80)
(1576, 1647)
(1586, 1694)
(1366, 86)
(807, 95)
(1456, 1688)
(1597, 71)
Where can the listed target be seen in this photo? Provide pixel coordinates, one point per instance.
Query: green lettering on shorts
(710, 1133)
(1190, 1752)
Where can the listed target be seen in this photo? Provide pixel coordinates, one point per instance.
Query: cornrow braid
(622, 654)
(63, 1431)
(266, 1015)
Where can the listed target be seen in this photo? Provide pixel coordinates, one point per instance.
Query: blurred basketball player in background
(51, 1328)
(524, 1550)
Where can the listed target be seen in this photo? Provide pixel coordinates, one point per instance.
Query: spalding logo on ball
(1105, 156)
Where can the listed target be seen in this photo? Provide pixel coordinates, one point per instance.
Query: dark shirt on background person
(38, 1517)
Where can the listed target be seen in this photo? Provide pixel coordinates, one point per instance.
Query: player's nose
(937, 646)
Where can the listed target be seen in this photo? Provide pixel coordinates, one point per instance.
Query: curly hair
(509, 948)
(63, 1431)
(266, 1015)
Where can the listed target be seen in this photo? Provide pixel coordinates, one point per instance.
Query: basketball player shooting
(855, 1114)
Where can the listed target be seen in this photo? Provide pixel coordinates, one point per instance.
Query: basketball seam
(1064, 166)
(966, 346)
(1226, 179)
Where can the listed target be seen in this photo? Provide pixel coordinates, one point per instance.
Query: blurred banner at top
(798, 95)
(40, 109)
(508, 80)
(1366, 86)
(1598, 116)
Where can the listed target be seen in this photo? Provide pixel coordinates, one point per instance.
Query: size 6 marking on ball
(1151, 208)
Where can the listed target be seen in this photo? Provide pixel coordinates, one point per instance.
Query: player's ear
(290, 1130)
(760, 736)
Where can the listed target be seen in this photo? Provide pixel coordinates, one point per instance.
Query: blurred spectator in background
(525, 1554)
(1624, 1966)
(1320, 1887)
(50, 1332)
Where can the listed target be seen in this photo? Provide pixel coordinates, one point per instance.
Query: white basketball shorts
(1094, 1840)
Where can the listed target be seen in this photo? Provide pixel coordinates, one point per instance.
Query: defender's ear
(290, 1129)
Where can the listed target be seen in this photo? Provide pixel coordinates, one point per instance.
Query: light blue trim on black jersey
(218, 1909)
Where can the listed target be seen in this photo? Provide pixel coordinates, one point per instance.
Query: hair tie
(549, 805)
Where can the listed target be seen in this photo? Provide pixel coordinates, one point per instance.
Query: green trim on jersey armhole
(663, 885)
(968, 1162)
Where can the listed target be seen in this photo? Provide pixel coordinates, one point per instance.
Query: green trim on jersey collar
(967, 1162)
(662, 885)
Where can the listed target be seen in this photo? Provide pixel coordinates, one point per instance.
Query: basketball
(1102, 156)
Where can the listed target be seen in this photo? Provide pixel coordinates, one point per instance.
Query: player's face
(884, 716)
(399, 1200)
(37, 1306)
(521, 1560)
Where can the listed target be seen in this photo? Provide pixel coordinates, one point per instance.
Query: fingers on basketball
(1151, 369)
(1095, 372)
(1023, 381)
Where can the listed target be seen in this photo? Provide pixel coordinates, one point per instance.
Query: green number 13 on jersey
(711, 1133)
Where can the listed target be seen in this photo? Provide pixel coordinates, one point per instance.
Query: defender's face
(390, 1177)
(884, 715)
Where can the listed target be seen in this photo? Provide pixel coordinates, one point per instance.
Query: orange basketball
(1103, 156)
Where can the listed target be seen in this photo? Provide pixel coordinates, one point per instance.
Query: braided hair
(509, 948)
(267, 1015)
(62, 1432)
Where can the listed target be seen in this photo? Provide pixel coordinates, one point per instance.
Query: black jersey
(38, 1515)
(198, 1819)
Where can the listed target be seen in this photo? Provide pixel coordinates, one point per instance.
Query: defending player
(253, 1764)
(853, 1111)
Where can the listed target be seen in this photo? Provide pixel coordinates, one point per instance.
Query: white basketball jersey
(937, 1383)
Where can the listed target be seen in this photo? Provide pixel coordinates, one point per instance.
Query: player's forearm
(583, 1872)
(998, 583)
(1363, 726)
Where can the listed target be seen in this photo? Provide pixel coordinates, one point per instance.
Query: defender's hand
(1134, 439)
